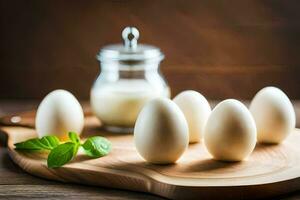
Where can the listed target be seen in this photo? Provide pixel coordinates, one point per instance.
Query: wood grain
(210, 45)
(63, 191)
(269, 171)
(16, 184)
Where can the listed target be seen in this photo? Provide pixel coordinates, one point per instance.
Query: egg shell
(161, 132)
(274, 115)
(196, 110)
(58, 113)
(230, 132)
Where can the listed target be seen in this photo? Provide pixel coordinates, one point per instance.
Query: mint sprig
(60, 154)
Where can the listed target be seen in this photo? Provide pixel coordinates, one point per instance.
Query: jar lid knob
(130, 36)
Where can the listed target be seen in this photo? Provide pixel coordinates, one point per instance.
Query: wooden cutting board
(270, 170)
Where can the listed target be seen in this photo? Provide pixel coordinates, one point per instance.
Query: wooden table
(16, 184)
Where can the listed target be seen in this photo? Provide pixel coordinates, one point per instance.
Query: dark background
(223, 49)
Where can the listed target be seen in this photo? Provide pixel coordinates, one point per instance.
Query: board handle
(25, 119)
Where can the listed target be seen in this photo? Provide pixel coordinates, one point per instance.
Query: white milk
(118, 104)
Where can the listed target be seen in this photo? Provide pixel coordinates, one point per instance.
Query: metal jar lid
(130, 52)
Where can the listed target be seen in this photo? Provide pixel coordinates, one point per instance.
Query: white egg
(274, 115)
(230, 132)
(196, 110)
(161, 132)
(59, 113)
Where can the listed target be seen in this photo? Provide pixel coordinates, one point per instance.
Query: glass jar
(129, 77)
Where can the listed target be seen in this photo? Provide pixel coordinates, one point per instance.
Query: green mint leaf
(32, 144)
(45, 143)
(74, 137)
(62, 154)
(97, 146)
(49, 142)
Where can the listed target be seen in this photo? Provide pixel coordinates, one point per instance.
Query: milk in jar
(129, 77)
